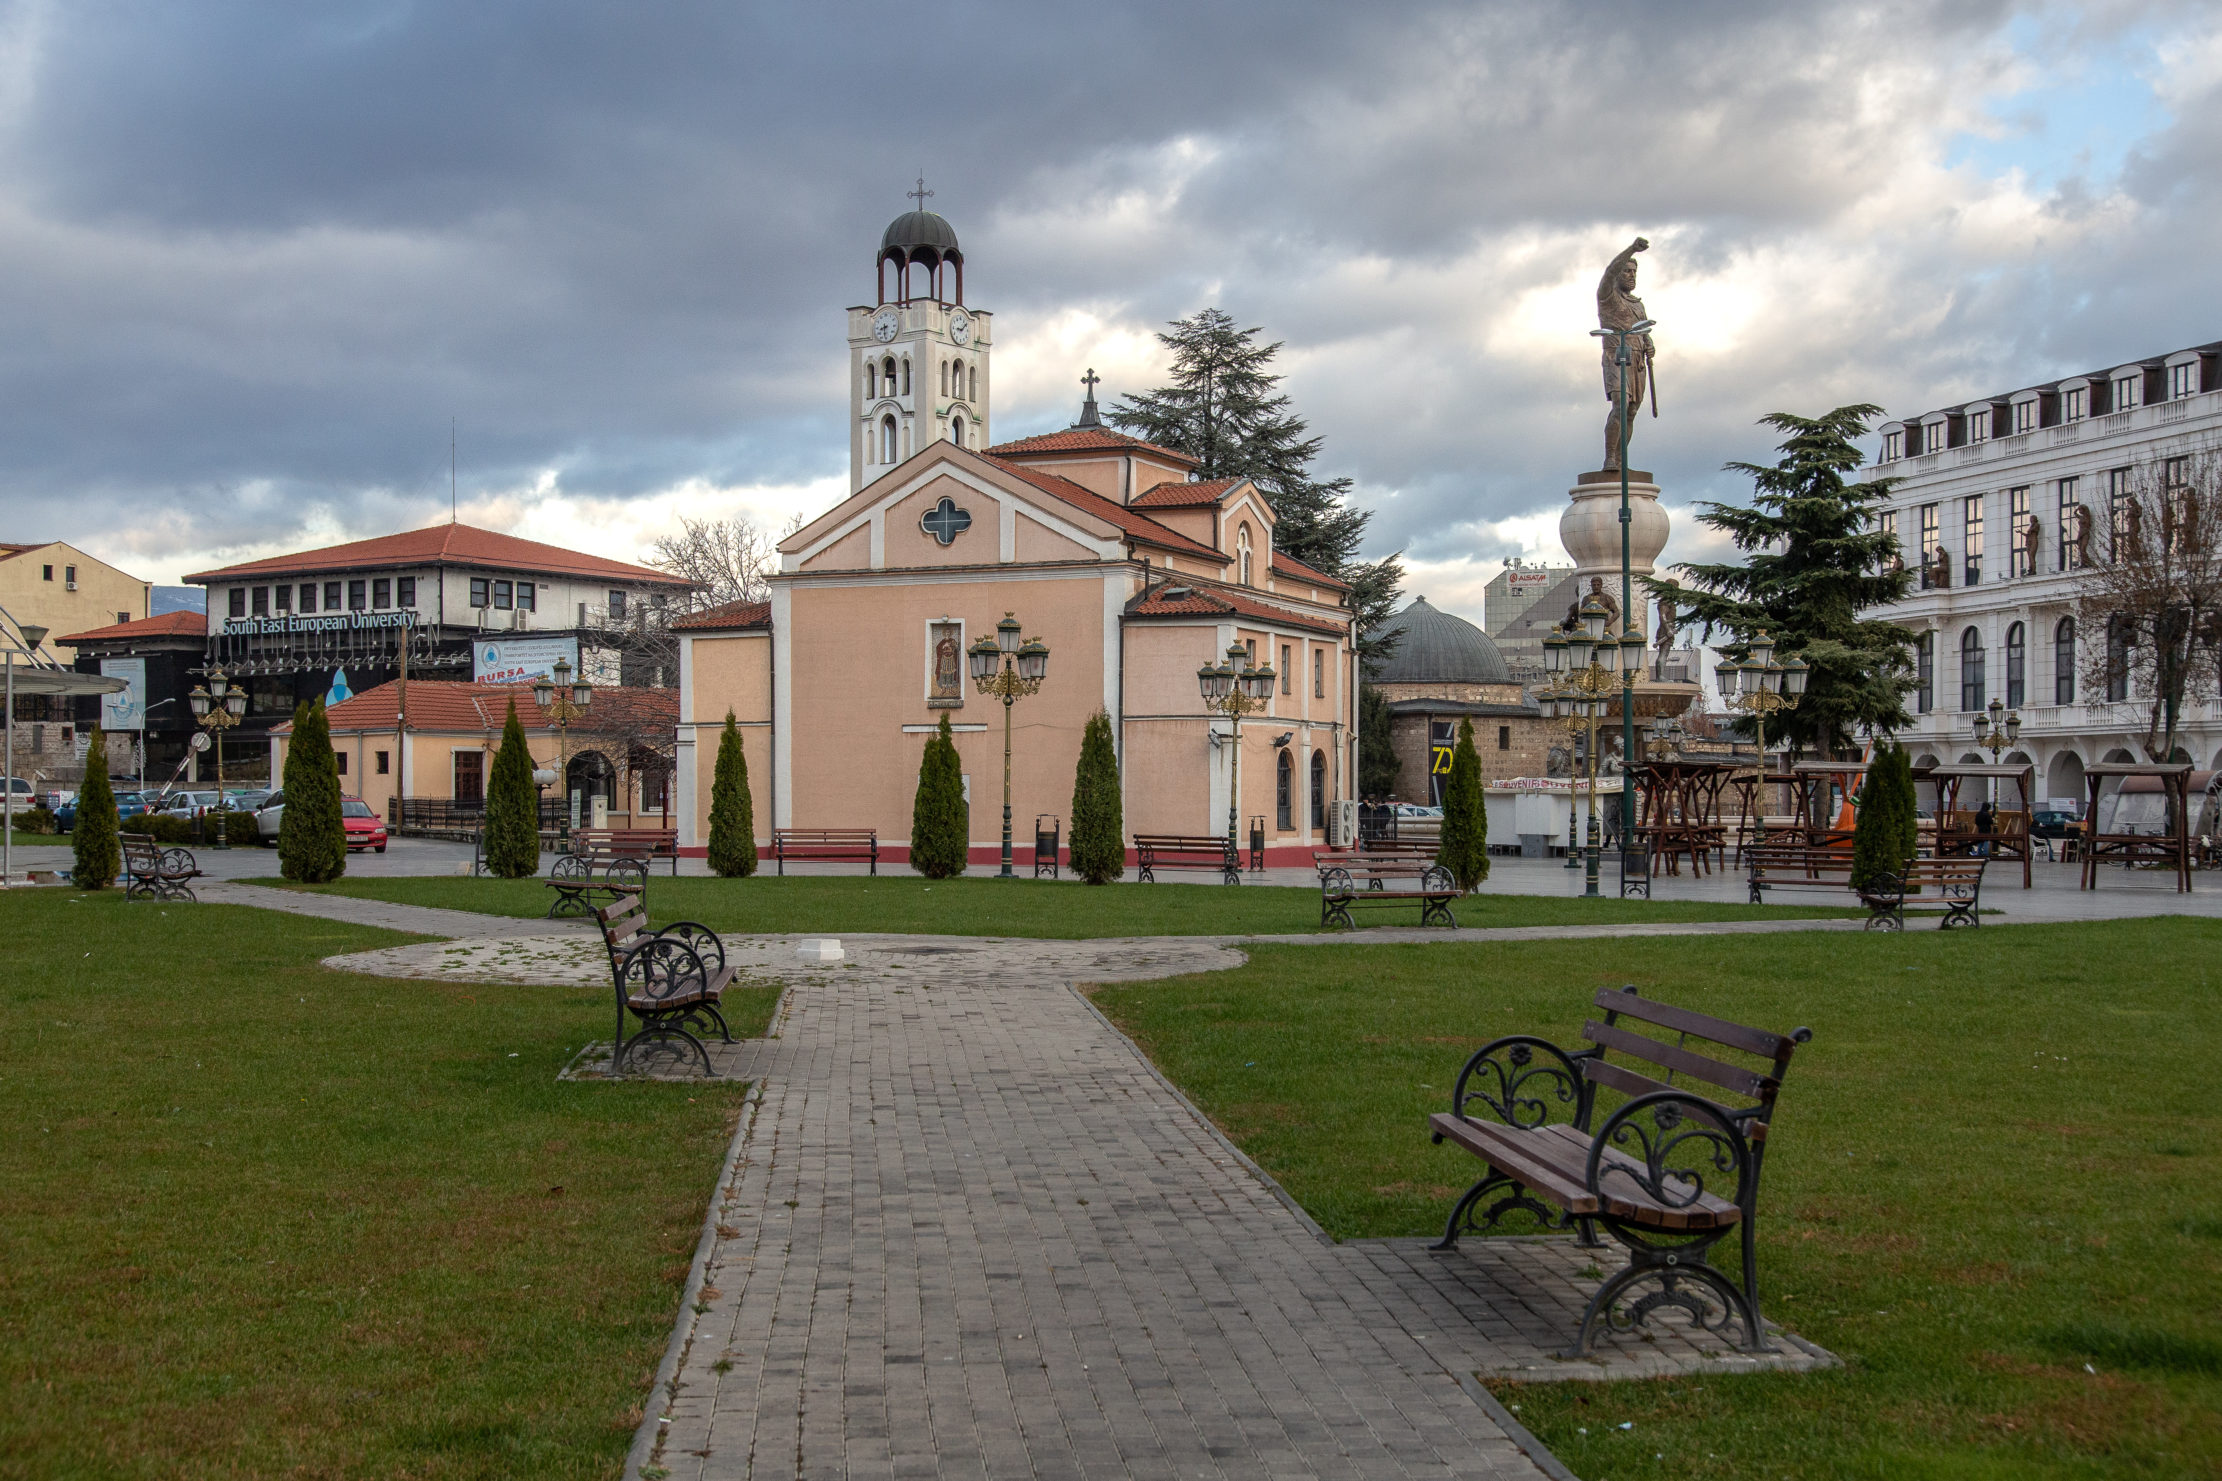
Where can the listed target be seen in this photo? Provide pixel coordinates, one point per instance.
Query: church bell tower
(918, 364)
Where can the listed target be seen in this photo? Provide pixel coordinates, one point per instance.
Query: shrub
(512, 806)
(96, 854)
(39, 820)
(732, 814)
(312, 841)
(940, 828)
(1883, 836)
(163, 828)
(1098, 825)
(1464, 846)
(240, 830)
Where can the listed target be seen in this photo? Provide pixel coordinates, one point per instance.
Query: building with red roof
(1102, 545)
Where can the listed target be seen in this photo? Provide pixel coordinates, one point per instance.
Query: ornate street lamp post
(2004, 729)
(1761, 687)
(1585, 663)
(1005, 668)
(562, 701)
(1234, 689)
(218, 708)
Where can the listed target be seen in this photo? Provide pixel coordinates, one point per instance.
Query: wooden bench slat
(1734, 1079)
(1547, 1161)
(1683, 1020)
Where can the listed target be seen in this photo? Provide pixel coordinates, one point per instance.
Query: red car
(365, 829)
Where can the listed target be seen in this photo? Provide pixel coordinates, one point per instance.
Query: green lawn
(1996, 1163)
(262, 1218)
(972, 906)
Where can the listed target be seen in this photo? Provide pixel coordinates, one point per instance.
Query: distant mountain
(179, 599)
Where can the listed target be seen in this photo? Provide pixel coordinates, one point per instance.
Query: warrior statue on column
(1618, 308)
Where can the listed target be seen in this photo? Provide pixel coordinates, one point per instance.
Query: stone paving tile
(421, 920)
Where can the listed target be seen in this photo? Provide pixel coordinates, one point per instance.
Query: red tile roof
(1294, 567)
(163, 625)
(1175, 600)
(727, 616)
(1137, 526)
(451, 705)
(455, 545)
(1171, 495)
(14, 548)
(1087, 440)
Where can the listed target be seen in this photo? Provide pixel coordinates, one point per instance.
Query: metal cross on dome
(920, 194)
(945, 521)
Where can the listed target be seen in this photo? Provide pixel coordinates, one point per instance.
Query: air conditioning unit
(520, 620)
(1343, 823)
(69, 585)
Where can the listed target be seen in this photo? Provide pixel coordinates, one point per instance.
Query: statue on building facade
(1619, 308)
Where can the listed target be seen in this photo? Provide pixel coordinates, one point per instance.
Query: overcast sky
(254, 258)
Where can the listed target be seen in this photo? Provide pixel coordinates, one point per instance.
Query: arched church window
(887, 374)
(956, 430)
(887, 439)
(974, 376)
(1319, 789)
(871, 381)
(1284, 790)
(1242, 555)
(906, 375)
(944, 377)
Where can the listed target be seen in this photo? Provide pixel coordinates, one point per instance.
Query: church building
(1102, 546)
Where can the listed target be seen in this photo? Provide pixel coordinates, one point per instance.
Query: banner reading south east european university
(520, 660)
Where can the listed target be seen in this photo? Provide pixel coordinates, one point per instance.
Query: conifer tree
(732, 814)
(312, 841)
(96, 855)
(1815, 562)
(1377, 761)
(1223, 410)
(940, 828)
(1098, 823)
(512, 806)
(1883, 834)
(1464, 848)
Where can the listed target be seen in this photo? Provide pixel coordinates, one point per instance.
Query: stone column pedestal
(1590, 531)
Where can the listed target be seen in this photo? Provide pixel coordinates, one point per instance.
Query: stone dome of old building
(1436, 648)
(920, 236)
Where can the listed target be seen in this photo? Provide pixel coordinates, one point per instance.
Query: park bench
(1775, 866)
(1212, 851)
(1401, 848)
(1669, 1173)
(599, 845)
(152, 872)
(1956, 881)
(671, 980)
(579, 879)
(1345, 881)
(826, 843)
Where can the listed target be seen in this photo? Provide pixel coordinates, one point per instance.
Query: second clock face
(884, 325)
(960, 327)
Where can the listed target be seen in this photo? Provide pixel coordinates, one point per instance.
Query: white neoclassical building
(1989, 489)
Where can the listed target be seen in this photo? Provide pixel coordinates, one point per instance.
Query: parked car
(128, 805)
(2051, 823)
(187, 804)
(247, 799)
(269, 815)
(365, 829)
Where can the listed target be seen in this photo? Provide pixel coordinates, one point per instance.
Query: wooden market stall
(1680, 809)
(1957, 830)
(2166, 839)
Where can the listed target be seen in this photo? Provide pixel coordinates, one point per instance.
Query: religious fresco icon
(945, 521)
(948, 666)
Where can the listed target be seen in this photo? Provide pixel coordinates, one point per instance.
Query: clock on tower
(918, 356)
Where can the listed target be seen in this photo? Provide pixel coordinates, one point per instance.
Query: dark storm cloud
(255, 257)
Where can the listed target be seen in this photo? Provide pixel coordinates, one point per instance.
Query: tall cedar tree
(1098, 821)
(1815, 563)
(940, 828)
(1884, 833)
(1377, 761)
(1222, 409)
(1464, 849)
(312, 841)
(732, 813)
(97, 857)
(512, 806)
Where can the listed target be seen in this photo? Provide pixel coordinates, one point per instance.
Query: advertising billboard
(520, 660)
(126, 709)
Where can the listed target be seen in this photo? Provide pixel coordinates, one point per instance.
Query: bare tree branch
(725, 560)
(2151, 606)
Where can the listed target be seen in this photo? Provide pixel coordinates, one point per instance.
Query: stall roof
(66, 681)
(1975, 769)
(2137, 768)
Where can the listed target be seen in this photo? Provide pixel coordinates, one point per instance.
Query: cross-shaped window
(945, 521)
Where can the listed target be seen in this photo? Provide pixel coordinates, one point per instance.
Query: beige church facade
(1103, 546)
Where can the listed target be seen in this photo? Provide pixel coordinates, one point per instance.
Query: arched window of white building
(956, 430)
(887, 439)
(887, 374)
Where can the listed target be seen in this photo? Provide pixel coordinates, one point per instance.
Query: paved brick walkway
(422, 920)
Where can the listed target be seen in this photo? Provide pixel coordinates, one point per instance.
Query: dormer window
(2183, 380)
(1978, 426)
(2075, 404)
(2025, 416)
(1894, 446)
(2125, 393)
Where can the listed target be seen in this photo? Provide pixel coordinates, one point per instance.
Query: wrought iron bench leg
(1463, 1221)
(1671, 1266)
